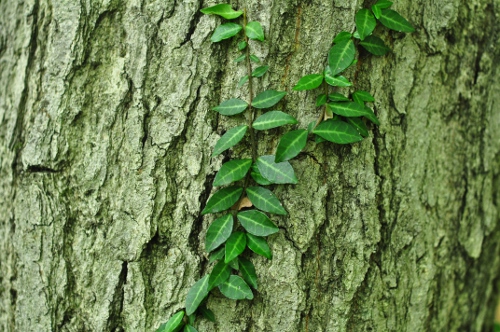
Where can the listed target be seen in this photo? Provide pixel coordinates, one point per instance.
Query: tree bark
(105, 151)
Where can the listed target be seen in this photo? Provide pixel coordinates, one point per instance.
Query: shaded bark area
(105, 166)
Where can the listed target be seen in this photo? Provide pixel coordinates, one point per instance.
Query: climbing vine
(244, 200)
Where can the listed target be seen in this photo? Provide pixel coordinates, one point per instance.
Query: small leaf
(273, 119)
(335, 80)
(196, 295)
(254, 30)
(223, 10)
(263, 199)
(337, 131)
(235, 245)
(207, 313)
(260, 71)
(247, 270)
(189, 328)
(191, 319)
(394, 21)
(377, 8)
(231, 107)
(356, 35)
(231, 171)
(219, 274)
(229, 139)
(267, 98)
(337, 97)
(236, 289)
(174, 324)
(234, 264)
(371, 116)
(291, 144)
(257, 223)
(255, 173)
(240, 58)
(341, 56)
(365, 23)
(259, 246)
(359, 125)
(217, 255)
(222, 199)
(218, 232)
(375, 45)
(309, 82)
(342, 36)
(311, 126)
(242, 45)
(362, 96)
(242, 81)
(279, 173)
(321, 100)
(225, 31)
(254, 58)
(352, 109)
(318, 139)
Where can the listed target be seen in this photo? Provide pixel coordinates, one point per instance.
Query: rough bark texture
(105, 163)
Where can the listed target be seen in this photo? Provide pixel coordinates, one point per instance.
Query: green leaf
(219, 274)
(365, 23)
(309, 82)
(240, 58)
(189, 328)
(291, 144)
(258, 177)
(207, 313)
(318, 139)
(234, 264)
(267, 98)
(257, 223)
(231, 171)
(337, 97)
(254, 30)
(260, 71)
(259, 246)
(335, 80)
(254, 58)
(377, 8)
(196, 295)
(321, 100)
(191, 319)
(242, 81)
(341, 56)
(235, 245)
(342, 36)
(375, 45)
(394, 21)
(229, 139)
(236, 289)
(231, 107)
(279, 173)
(362, 96)
(242, 45)
(371, 116)
(225, 31)
(217, 255)
(174, 324)
(311, 126)
(359, 125)
(352, 109)
(337, 131)
(263, 199)
(218, 232)
(273, 119)
(223, 10)
(247, 270)
(223, 199)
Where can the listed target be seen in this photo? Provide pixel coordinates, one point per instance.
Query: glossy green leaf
(273, 119)
(362, 96)
(318, 139)
(223, 10)
(259, 246)
(231, 107)
(394, 21)
(311, 126)
(217, 255)
(218, 232)
(291, 144)
(371, 116)
(356, 34)
(279, 173)
(337, 131)
(240, 58)
(231, 171)
(352, 109)
(337, 97)
(242, 81)
(336, 80)
(359, 125)
(242, 45)
(189, 328)
(196, 295)
(255, 173)
(375, 45)
(341, 36)
(341, 56)
(234, 264)
(225, 31)
(235, 245)
(254, 58)
(267, 98)
(260, 71)
(174, 324)
(257, 223)
(229, 139)
(321, 100)
(248, 273)
(236, 289)
(263, 199)
(254, 30)
(309, 82)
(207, 313)
(191, 318)
(377, 8)
(222, 199)
(219, 274)
(365, 23)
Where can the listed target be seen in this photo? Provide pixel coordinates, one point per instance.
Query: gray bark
(105, 165)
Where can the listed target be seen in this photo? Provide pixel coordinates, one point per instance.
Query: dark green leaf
(337, 131)
(242, 81)
(273, 119)
(362, 96)
(365, 23)
(258, 177)
(225, 31)
(222, 199)
(259, 246)
(335, 80)
(234, 264)
(229, 139)
(257, 223)
(341, 56)
(279, 173)
(254, 58)
(311, 126)
(223, 10)
(309, 82)
(291, 144)
(174, 324)
(377, 8)
(337, 97)
(236, 289)
(371, 116)
(254, 31)
(231, 107)
(217, 255)
(260, 71)
(191, 319)
(242, 45)
(321, 100)
(235, 245)
(207, 313)
(359, 125)
(218, 232)
(352, 109)
(318, 139)
(342, 36)
(394, 21)
(375, 45)
(196, 295)
(240, 58)
(219, 274)
(263, 199)
(267, 98)
(189, 328)
(231, 171)
(247, 270)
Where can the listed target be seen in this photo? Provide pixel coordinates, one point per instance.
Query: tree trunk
(105, 151)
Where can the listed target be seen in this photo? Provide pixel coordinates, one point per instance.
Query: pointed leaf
(242, 45)
(223, 10)
(236, 289)
(222, 199)
(219, 274)
(394, 21)
(217, 255)
(258, 177)
(235, 245)
(365, 23)
(291, 144)
(231, 107)
(257, 223)
(342, 36)
(359, 125)
(174, 324)
(362, 96)
(254, 58)
(263, 199)
(260, 71)
(191, 319)
(242, 81)
(377, 8)
(234, 264)
(240, 58)
(352, 109)
(218, 232)
(259, 246)
(231, 171)
(341, 56)
(273, 119)
(254, 30)
(189, 328)
(225, 31)
(371, 116)
(335, 80)
(207, 313)
(229, 139)
(337, 97)
(309, 82)
(279, 173)
(375, 45)
(337, 131)
(321, 100)
(196, 295)
(268, 98)
(247, 270)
